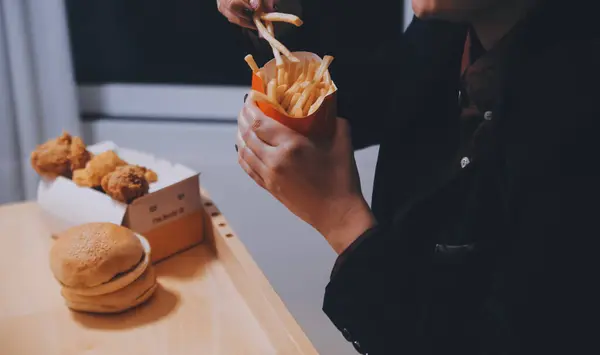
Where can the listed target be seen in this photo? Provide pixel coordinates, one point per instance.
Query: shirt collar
(482, 72)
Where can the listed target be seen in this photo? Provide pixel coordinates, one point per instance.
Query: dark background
(155, 41)
(190, 42)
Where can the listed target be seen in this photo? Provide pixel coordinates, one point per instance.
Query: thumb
(342, 136)
(343, 148)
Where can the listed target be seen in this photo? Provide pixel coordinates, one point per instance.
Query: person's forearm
(355, 219)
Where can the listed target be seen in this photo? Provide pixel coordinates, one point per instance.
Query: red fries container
(320, 124)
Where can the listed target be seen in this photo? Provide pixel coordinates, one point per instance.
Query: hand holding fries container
(170, 216)
(319, 124)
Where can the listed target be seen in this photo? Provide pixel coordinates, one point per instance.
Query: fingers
(258, 147)
(255, 4)
(259, 181)
(250, 146)
(238, 12)
(242, 19)
(265, 128)
(248, 160)
(271, 5)
(343, 136)
(342, 129)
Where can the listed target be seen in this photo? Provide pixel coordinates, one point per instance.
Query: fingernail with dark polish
(275, 7)
(236, 148)
(245, 97)
(248, 12)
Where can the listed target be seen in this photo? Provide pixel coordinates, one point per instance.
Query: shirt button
(488, 115)
(464, 162)
(346, 334)
(358, 348)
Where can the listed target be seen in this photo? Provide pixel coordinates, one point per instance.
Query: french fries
(276, 52)
(259, 96)
(314, 77)
(281, 89)
(272, 41)
(296, 88)
(308, 90)
(272, 90)
(280, 17)
(251, 63)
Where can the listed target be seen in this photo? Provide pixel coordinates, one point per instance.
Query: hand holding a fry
(316, 180)
(291, 8)
(239, 12)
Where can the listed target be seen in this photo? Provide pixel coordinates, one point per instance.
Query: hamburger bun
(121, 300)
(121, 280)
(99, 308)
(93, 254)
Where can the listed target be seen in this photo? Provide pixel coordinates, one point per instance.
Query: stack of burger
(103, 268)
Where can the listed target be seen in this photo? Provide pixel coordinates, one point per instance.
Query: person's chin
(452, 16)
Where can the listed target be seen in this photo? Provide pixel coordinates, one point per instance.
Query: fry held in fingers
(276, 53)
(280, 17)
(274, 43)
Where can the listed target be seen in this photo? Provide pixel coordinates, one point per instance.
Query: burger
(121, 300)
(102, 268)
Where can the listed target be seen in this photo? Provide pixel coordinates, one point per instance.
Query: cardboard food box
(170, 216)
(320, 124)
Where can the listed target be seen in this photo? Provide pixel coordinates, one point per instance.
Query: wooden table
(212, 299)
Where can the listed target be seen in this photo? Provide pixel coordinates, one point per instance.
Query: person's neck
(493, 23)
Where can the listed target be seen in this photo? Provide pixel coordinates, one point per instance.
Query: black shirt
(492, 255)
(479, 89)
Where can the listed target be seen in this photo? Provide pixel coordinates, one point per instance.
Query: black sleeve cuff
(350, 249)
(377, 289)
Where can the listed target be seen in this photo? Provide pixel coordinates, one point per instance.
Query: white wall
(296, 260)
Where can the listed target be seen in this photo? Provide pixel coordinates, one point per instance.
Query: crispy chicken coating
(151, 175)
(78, 155)
(59, 156)
(126, 183)
(97, 168)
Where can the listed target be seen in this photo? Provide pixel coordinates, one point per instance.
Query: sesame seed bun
(93, 254)
(121, 280)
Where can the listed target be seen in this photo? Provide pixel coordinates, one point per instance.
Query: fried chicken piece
(126, 183)
(59, 156)
(78, 154)
(82, 178)
(97, 168)
(151, 175)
